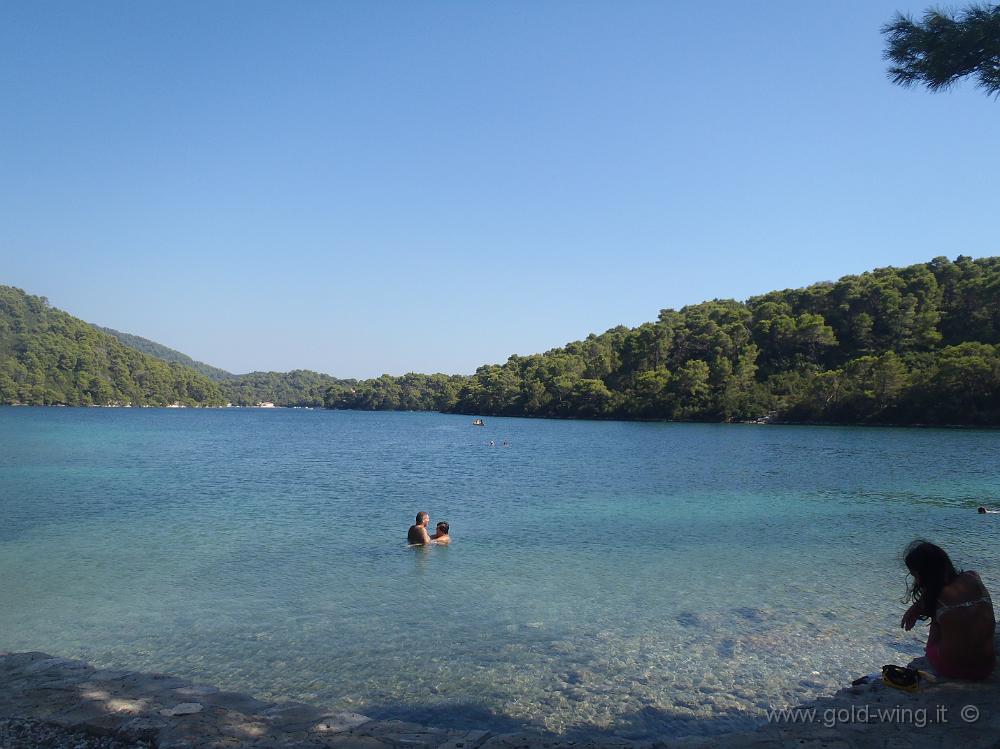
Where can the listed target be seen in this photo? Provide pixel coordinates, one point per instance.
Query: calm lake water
(632, 579)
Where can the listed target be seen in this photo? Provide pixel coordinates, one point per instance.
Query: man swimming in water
(441, 534)
(418, 531)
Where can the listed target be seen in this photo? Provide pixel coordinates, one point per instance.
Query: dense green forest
(895, 345)
(300, 387)
(914, 345)
(167, 354)
(50, 357)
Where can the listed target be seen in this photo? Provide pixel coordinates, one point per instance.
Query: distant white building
(265, 404)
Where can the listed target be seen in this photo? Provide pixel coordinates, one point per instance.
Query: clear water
(605, 578)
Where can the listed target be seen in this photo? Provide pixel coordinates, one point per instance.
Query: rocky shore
(58, 703)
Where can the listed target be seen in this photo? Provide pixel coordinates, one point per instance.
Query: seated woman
(441, 534)
(960, 641)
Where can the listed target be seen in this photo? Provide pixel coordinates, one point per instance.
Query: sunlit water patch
(633, 579)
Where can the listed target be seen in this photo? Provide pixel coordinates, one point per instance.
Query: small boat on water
(478, 423)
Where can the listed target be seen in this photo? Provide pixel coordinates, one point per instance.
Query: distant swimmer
(492, 443)
(441, 534)
(417, 535)
(984, 511)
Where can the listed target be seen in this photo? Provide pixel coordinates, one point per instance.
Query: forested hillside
(914, 345)
(50, 357)
(895, 345)
(300, 387)
(166, 353)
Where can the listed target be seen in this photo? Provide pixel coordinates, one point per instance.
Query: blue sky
(369, 187)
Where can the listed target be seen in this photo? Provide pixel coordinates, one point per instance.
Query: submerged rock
(196, 690)
(184, 708)
(48, 664)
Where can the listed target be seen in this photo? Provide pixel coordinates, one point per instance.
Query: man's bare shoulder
(417, 535)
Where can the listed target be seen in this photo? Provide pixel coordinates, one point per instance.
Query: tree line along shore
(912, 345)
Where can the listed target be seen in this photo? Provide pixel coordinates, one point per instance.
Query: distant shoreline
(771, 422)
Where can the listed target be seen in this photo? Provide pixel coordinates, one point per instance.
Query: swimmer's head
(422, 517)
(442, 528)
(981, 510)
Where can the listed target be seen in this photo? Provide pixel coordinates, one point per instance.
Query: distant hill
(300, 387)
(912, 345)
(49, 357)
(166, 353)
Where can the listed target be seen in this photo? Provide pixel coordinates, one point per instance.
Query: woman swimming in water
(960, 642)
(441, 534)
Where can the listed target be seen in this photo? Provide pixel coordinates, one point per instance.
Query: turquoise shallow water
(635, 579)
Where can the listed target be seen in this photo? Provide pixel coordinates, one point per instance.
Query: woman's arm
(912, 614)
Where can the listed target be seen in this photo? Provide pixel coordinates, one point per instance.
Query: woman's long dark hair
(931, 569)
